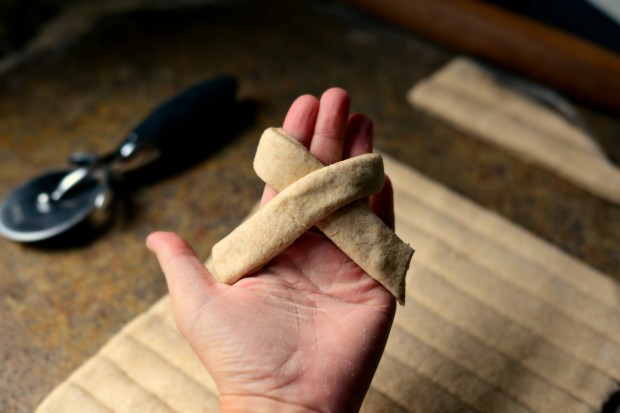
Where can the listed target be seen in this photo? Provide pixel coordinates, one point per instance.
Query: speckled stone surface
(58, 305)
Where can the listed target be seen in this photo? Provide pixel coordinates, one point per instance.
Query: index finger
(331, 125)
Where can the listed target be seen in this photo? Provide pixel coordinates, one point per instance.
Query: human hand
(307, 331)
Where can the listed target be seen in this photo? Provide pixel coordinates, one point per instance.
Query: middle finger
(331, 124)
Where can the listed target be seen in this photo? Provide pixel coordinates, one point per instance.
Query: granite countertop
(60, 303)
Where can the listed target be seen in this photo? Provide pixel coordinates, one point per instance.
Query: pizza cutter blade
(25, 217)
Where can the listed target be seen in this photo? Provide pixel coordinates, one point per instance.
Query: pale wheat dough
(283, 163)
(294, 211)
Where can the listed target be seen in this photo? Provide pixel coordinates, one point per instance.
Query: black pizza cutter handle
(180, 128)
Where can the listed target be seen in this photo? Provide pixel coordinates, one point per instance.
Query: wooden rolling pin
(570, 65)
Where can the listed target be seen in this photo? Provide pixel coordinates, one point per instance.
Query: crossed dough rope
(313, 194)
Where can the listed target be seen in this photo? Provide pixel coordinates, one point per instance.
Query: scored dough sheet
(496, 320)
(475, 99)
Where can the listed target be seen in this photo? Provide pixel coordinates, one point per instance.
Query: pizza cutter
(57, 201)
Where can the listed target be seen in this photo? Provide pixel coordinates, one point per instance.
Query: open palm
(306, 332)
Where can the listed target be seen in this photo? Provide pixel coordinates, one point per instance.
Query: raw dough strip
(294, 211)
(355, 229)
(280, 162)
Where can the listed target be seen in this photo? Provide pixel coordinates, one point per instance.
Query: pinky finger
(383, 203)
(359, 136)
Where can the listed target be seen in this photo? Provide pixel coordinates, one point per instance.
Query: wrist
(259, 404)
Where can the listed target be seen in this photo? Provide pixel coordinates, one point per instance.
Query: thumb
(189, 281)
